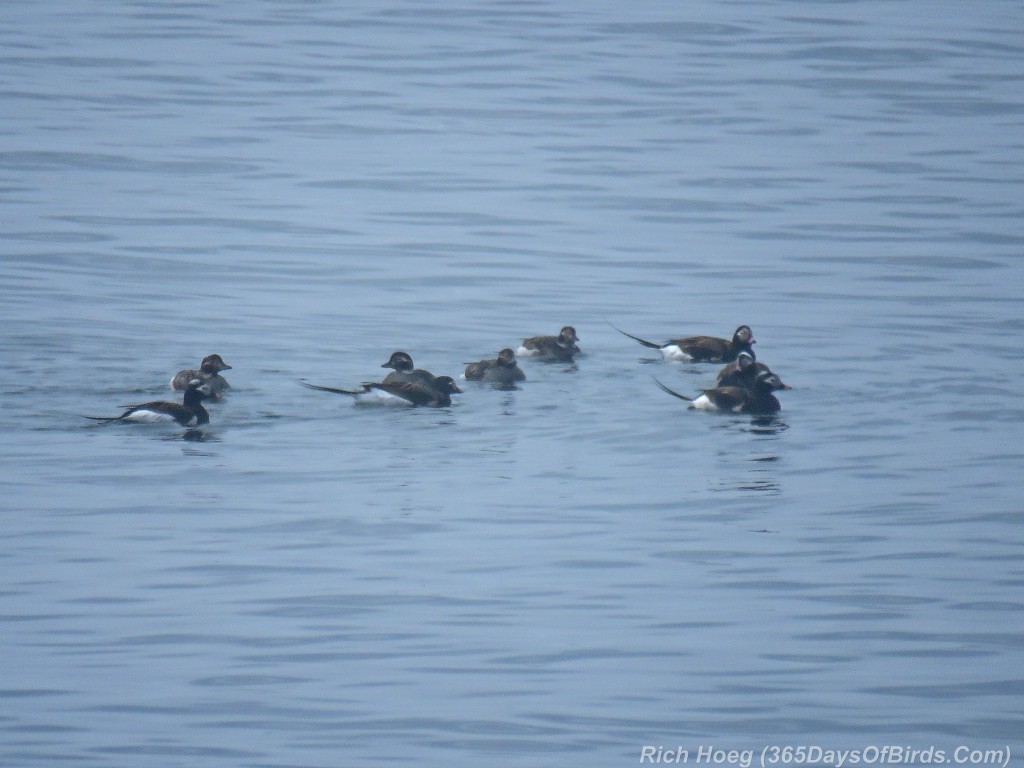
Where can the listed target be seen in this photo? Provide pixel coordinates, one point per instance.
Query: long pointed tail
(335, 390)
(645, 342)
(673, 392)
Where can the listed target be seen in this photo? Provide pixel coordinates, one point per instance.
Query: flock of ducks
(743, 385)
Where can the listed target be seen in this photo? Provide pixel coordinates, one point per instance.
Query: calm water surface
(564, 573)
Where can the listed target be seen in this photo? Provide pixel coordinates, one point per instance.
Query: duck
(209, 371)
(703, 349)
(502, 371)
(553, 349)
(757, 399)
(188, 413)
(741, 372)
(436, 394)
(405, 369)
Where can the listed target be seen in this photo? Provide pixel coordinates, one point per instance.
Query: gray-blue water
(565, 573)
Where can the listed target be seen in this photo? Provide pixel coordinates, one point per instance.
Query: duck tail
(645, 342)
(673, 392)
(335, 390)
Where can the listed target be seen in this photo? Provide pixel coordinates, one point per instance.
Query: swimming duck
(503, 371)
(209, 372)
(405, 370)
(758, 398)
(188, 413)
(553, 349)
(437, 393)
(703, 349)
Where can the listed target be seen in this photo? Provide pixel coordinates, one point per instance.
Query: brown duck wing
(536, 342)
(729, 376)
(418, 375)
(478, 371)
(182, 378)
(415, 392)
(706, 348)
(727, 398)
(549, 349)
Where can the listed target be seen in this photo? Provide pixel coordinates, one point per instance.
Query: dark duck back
(435, 393)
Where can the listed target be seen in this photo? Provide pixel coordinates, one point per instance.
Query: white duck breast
(146, 416)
